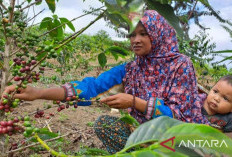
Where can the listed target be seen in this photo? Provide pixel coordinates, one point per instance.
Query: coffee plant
(27, 49)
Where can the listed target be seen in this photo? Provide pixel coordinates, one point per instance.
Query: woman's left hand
(119, 101)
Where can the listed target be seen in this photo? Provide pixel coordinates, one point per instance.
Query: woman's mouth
(137, 48)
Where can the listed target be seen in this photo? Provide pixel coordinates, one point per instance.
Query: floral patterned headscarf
(164, 73)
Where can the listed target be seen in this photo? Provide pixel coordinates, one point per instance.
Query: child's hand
(29, 94)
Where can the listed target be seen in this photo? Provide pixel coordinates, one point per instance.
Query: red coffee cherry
(10, 123)
(68, 99)
(16, 78)
(3, 123)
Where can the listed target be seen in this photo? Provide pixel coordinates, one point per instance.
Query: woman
(160, 81)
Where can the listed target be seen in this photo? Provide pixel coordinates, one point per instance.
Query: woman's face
(140, 41)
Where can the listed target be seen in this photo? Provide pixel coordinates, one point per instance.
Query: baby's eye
(225, 98)
(215, 91)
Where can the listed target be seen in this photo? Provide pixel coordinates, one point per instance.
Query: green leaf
(102, 59)
(60, 32)
(53, 33)
(45, 22)
(168, 13)
(93, 151)
(45, 134)
(124, 13)
(51, 4)
(41, 55)
(145, 153)
(205, 2)
(117, 51)
(151, 130)
(129, 120)
(29, 1)
(39, 2)
(225, 59)
(55, 16)
(223, 51)
(67, 22)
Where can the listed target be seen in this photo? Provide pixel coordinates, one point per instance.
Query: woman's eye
(134, 34)
(131, 35)
(144, 34)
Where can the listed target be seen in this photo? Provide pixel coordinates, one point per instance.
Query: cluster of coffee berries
(39, 114)
(16, 145)
(70, 101)
(49, 49)
(29, 129)
(9, 127)
(7, 104)
(22, 70)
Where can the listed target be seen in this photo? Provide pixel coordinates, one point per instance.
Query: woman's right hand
(29, 93)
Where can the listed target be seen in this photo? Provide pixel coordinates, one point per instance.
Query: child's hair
(227, 78)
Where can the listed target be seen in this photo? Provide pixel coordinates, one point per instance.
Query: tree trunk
(5, 72)
(2, 138)
(5, 77)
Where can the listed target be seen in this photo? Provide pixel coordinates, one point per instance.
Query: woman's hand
(29, 93)
(119, 101)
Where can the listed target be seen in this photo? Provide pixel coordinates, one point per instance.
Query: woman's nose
(137, 39)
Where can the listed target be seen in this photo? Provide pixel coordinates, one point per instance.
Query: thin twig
(3, 6)
(35, 15)
(30, 5)
(12, 66)
(34, 144)
(23, 2)
(192, 10)
(49, 128)
(72, 37)
(40, 110)
(13, 53)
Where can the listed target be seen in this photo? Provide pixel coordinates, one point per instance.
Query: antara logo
(195, 143)
(170, 139)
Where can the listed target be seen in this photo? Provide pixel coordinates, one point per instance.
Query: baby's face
(219, 100)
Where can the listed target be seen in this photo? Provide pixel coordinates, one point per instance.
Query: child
(217, 105)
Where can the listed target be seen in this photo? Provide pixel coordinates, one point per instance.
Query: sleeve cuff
(150, 108)
(68, 90)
